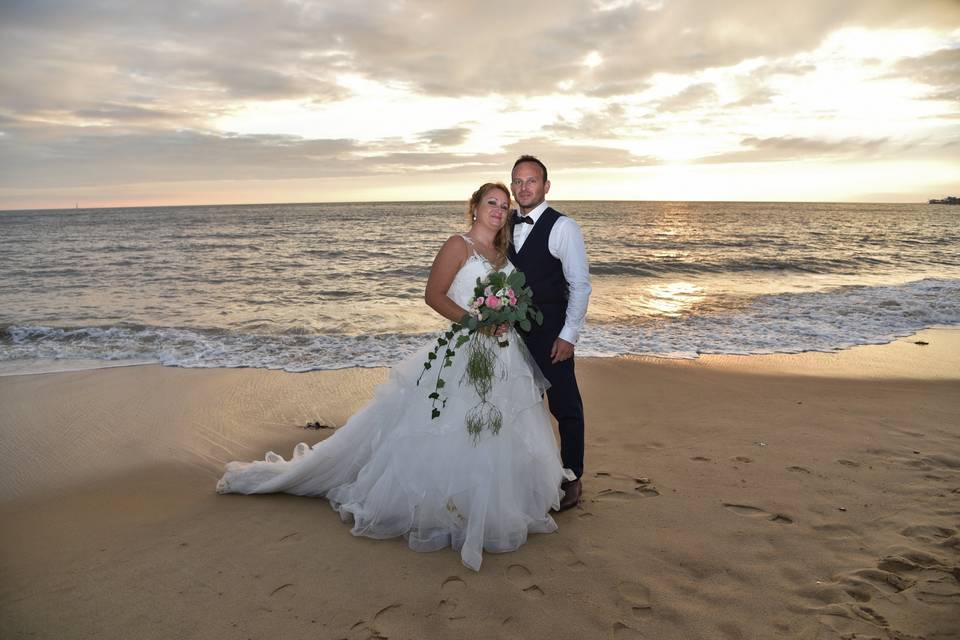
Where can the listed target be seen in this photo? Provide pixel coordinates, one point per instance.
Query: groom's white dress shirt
(566, 245)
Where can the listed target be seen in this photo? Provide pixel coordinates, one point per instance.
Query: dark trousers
(563, 396)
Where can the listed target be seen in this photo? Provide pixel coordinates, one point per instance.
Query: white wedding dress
(395, 471)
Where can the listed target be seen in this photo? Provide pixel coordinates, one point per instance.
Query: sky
(121, 103)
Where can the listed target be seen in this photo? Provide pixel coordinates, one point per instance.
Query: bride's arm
(452, 256)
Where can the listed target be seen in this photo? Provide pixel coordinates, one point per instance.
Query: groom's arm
(566, 244)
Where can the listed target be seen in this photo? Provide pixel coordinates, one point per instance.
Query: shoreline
(807, 495)
(850, 365)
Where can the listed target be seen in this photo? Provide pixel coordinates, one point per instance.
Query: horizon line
(260, 204)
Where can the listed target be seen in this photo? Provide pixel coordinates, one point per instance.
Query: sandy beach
(791, 496)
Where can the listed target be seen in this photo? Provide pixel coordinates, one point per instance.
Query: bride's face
(493, 209)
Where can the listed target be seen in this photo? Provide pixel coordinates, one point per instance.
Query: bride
(394, 470)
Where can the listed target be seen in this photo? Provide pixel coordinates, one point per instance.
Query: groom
(548, 247)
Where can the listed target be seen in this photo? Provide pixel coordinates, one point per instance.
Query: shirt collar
(538, 210)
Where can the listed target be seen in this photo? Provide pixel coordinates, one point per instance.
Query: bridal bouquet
(499, 300)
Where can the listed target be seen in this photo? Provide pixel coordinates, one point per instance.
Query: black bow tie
(517, 219)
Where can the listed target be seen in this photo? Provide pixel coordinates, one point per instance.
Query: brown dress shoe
(571, 494)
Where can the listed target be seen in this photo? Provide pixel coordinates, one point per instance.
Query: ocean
(301, 287)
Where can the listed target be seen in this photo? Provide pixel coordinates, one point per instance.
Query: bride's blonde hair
(502, 239)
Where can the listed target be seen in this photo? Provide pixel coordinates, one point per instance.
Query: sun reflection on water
(648, 300)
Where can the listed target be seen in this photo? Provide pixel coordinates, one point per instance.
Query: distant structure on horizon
(947, 200)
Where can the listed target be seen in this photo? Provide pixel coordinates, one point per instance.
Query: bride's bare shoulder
(457, 240)
(454, 251)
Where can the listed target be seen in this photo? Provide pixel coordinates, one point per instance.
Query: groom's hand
(562, 350)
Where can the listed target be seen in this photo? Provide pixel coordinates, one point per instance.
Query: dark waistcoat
(544, 272)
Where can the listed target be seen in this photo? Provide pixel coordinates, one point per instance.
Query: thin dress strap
(473, 247)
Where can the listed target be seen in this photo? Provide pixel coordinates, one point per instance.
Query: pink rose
(513, 300)
(478, 302)
(493, 302)
(511, 294)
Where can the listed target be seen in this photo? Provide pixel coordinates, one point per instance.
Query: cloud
(693, 96)
(445, 137)
(128, 114)
(602, 123)
(572, 157)
(786, 148)
(209, 51)
(752, 98)
(107, 91)
(940, 70)
(38, 156)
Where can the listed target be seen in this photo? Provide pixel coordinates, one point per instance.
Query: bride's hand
(494, 331)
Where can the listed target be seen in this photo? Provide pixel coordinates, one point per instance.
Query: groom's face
(528, 186)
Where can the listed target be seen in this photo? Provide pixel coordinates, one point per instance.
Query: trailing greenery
(501, 301)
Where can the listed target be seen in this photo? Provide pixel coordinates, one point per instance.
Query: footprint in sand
(755, 512)
(638, 596)
(848, 463)
(929, 534)
(943, 460)
(861, 586)
(701, 459)
(451, 591)
(943, 591)
(838, 531)
(883, 582)
(930, 580)
(743, 459)
(522, 578)
(797, 469)
(282, 588)
(620, 631)
(387, 611)
(569, 559)
(281, 546)
(852, 612)
(617, 486)
(731, 631)
(908, 560)
(386, 621)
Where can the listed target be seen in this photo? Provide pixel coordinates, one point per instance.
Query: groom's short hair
(534, 160)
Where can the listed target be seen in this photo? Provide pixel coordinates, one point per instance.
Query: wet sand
(800, 496)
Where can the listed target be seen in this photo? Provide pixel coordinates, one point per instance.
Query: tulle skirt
(393, 470)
